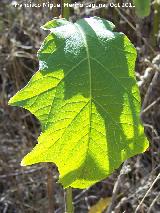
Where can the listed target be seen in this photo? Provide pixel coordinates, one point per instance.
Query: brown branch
(56, 12)
(50, 189)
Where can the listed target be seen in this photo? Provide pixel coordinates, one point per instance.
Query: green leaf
(87, 100)
(54, 23)
(142, 7)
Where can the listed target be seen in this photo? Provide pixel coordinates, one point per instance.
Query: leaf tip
(11, 102)
(23, 163)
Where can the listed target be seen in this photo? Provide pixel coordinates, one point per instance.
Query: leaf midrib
(82, 33)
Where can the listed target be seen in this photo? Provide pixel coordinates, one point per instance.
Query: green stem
(69, 203)
(65, 10)
(155, 23)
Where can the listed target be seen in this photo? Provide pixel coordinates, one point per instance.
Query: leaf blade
(88, 103)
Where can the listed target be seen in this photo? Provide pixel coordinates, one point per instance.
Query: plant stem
(65, 10)
(156, 19)
(69, 204)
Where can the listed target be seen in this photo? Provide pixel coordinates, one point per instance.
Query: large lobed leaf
(86, 98)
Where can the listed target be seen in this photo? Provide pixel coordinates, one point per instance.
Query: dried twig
(153, 202)
(150, 106)
(116, 187)
(154, 86)
(19, 173)
(147, 193)
(135, 29)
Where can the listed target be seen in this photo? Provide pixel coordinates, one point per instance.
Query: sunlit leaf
(86, 97)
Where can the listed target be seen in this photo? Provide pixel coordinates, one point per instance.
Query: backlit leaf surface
(86, 98)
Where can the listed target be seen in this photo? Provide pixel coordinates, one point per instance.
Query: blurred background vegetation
(24, 189)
